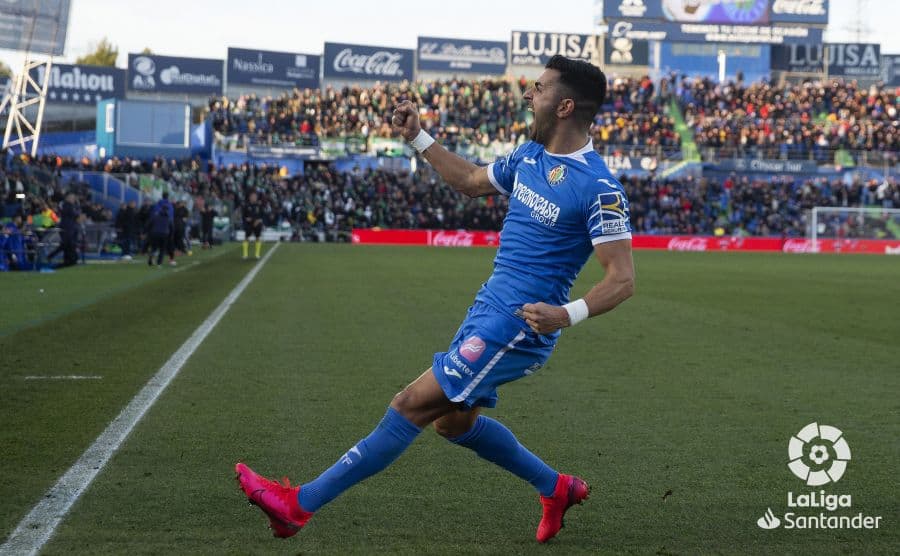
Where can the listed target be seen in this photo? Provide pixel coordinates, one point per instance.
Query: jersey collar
(577, 155)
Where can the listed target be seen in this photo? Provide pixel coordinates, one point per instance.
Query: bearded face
(542, 99)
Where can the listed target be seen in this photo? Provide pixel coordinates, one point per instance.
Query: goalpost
(853, 223)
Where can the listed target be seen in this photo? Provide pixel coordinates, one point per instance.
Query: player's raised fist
(544, 318)
(406, 120)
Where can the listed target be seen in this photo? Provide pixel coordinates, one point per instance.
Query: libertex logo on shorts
(818, 455)
(472, 349)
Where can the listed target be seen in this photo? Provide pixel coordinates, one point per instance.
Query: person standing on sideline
(68, 231)
(207, 219)
(165, 203)
(182, 241)
(159, 231)
(564, 206)
(252, 214)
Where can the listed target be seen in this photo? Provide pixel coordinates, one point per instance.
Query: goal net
(854, 223)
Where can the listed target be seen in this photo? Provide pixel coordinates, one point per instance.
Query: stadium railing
(820, 155)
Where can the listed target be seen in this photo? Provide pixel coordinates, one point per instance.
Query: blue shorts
(490, 348)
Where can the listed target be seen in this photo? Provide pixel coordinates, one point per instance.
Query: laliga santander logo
(818, 454)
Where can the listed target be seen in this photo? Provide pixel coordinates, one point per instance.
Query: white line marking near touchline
(38, 526)
(186, 266)
(64, 377)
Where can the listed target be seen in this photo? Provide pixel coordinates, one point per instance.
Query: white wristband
(578, 311)
(422, 141)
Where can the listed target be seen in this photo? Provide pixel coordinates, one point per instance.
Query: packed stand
(325, 205)
(457, 112)
(811, 120)
(744, 206)
(35, 209)
(635, 117)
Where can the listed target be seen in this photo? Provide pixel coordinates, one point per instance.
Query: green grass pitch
(677, 407)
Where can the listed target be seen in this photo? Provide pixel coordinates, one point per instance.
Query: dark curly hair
(583, 82)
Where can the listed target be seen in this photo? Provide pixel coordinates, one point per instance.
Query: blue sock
(492, 441)
(370, 455)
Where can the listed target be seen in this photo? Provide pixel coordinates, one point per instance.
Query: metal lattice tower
(25, 93)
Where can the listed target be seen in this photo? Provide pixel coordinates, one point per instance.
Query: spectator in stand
(811, 120)
(463, 113)
(16, 243)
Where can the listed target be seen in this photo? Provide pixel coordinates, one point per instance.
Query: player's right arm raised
(463, 176)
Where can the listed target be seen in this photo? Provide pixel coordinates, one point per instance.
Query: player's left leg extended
(494, 442)
(490, 349)
(491, 440)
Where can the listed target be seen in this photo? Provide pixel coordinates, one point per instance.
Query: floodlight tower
(858, 27)
(37, 28)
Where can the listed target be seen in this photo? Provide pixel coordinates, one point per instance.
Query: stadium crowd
(799, 121)
(456, 112)
(749, 120)
(324, 205)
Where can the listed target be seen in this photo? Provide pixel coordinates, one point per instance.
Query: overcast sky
(205, 28)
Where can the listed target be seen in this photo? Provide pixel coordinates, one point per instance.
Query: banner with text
(529, 48)
(711, 32)
(741, 13)
(750, 12)
(368, 63)
(467, 238)
(461, 56)
(80, 84)
(151, 73)
(264, 68)
(814, 12)
(890, 69)
(842, 59)
(767, 166)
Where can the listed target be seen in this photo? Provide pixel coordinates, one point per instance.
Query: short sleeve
(608, 214)
(502, 171)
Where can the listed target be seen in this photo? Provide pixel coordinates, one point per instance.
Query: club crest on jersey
(557, 174)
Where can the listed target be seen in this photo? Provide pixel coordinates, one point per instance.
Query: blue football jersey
(560, 206)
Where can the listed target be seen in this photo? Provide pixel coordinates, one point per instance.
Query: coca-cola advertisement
(467, 238)
(434, 238)
(356, 62)
(463, 238)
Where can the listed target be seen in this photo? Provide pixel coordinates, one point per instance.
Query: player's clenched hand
(405, 120)
(544, 318)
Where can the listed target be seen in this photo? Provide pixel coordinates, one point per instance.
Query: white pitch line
(38, 526)
(64, 377)
(187, 266)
